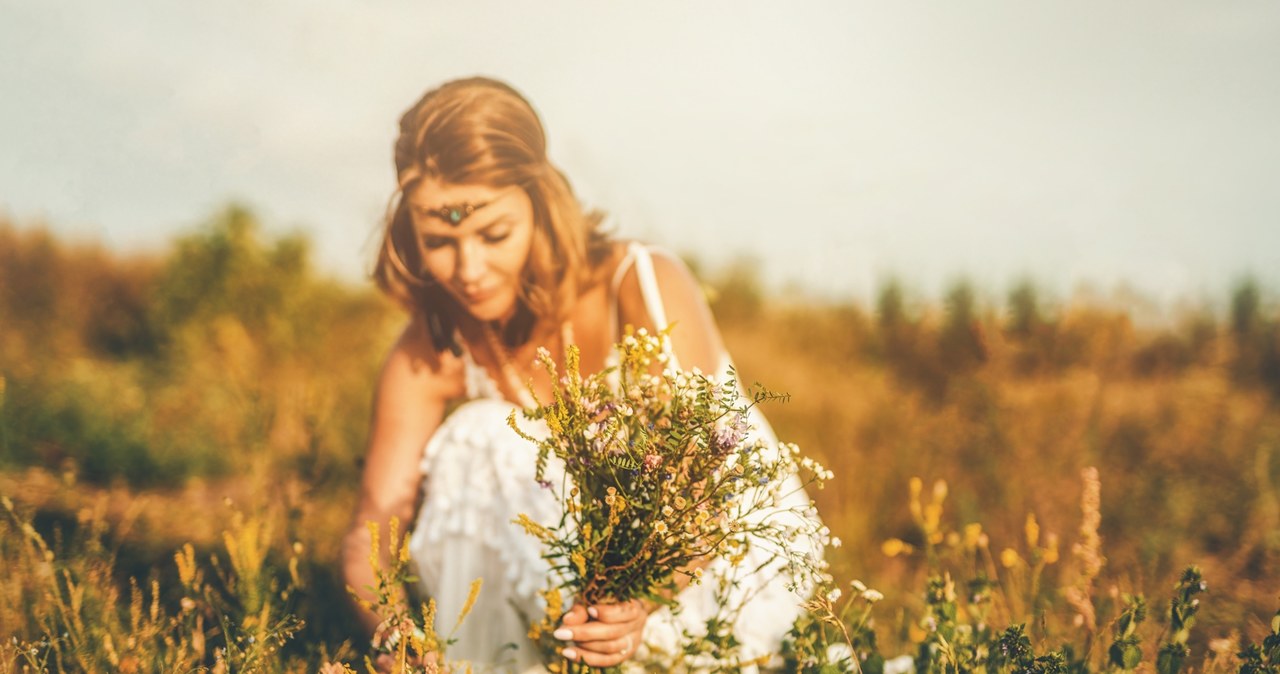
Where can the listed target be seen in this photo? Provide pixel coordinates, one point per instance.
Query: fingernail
(563, 634)
(591, 611)
(569, 654)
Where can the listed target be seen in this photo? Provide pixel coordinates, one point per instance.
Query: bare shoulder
(675, 276)
(413, 370)
(680, 296)
(672, 273)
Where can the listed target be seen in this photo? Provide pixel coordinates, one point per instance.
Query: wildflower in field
(1010, 558)
(894, 547)
(972, 536)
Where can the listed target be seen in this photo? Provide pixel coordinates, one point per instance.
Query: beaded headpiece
(454, 214)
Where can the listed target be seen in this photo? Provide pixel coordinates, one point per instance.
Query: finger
(599, 631)
(572, 623)
(617, 613)
(600, 653)
(576, 615)
(622, 646)
(596, 659)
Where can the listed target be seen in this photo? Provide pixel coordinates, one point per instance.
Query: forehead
(431, 194)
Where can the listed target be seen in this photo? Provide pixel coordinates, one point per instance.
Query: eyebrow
(450, 231)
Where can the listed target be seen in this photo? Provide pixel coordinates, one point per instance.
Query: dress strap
(624, 266)
(638, 256)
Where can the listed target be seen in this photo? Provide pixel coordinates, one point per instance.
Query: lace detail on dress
(479, 382)
(480, 475)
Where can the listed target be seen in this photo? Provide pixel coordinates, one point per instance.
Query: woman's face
(474, 241)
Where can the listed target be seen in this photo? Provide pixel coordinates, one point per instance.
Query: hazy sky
(839, 142)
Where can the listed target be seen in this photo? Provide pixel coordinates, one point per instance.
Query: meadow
(180, 436)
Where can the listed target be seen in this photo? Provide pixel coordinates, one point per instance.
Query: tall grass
(144, 390)
(1185, 437)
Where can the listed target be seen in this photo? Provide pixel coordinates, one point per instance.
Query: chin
(493, 310)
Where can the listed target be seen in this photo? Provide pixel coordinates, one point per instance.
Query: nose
(471, 262)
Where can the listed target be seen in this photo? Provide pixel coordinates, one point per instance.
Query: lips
(478, 296)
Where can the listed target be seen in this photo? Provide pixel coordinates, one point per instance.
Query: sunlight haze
(838, 143)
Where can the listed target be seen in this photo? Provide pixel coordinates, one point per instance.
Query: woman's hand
(603, 635)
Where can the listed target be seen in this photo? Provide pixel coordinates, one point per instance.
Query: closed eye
(496, 234)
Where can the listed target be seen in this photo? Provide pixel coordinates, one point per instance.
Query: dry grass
(127, 407)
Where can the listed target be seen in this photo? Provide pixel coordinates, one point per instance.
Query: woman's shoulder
(638, 268)
(413, 365)
(670, 270)
(654, 288)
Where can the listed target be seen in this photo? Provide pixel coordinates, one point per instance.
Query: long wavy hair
(481, 131)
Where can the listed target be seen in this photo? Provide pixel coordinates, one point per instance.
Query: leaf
(1131, 656)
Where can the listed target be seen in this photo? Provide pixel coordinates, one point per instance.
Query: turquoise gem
(455, 215)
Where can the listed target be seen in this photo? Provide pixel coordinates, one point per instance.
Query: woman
(493, 257)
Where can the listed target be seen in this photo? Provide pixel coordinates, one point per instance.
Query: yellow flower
(972, 532)
(533, 528)
(1009, 558)
(894, 547)
(939, 491)
(916, 634)
(470, 602)
(913, 501)
(186, 561)
(1051, 548)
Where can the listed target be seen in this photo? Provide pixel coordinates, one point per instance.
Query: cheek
(519, 253)
(439, 263)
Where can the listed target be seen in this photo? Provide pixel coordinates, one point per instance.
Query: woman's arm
(408, 406)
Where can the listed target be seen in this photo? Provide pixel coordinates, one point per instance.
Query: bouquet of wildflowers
(657, 472)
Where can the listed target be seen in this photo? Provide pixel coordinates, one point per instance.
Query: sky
(838, 143)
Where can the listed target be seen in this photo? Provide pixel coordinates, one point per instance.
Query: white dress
(479, 476)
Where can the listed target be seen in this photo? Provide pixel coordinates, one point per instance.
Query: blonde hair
(482, 131)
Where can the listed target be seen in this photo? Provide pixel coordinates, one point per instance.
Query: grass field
(217, 397)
